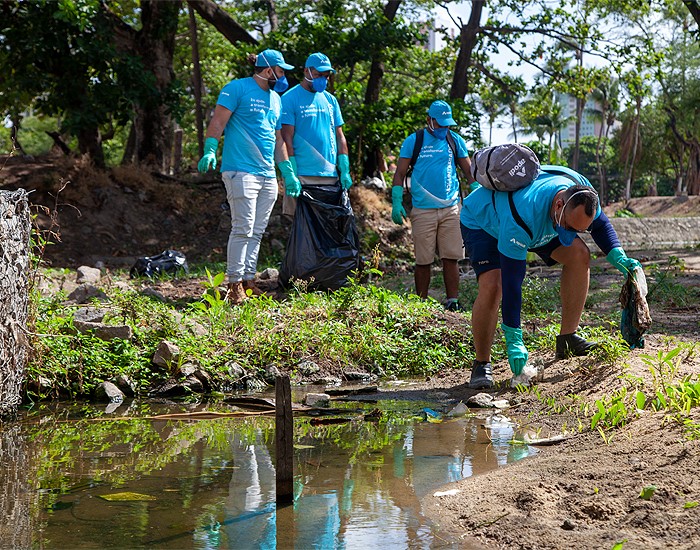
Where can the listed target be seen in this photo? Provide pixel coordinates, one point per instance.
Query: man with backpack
(430, 156)
(509, 216)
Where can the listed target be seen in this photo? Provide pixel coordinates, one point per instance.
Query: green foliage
(664, 287)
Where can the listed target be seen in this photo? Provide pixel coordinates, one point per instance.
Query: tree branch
(222, 21)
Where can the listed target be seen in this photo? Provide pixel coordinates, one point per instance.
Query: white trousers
(251, 199)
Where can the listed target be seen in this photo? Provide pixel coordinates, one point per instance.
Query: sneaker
(453, 305)
(254, 289)
(235, 295)
(569, 345)
(482, 376)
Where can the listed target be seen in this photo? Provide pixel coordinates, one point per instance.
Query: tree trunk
(375, 157)
(90, 143)
(155, 43)
(272, 15)
(196, 83)
(15, 230)
(468, 36)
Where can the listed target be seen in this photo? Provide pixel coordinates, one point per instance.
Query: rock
(307, 368)
(86, 292)
(277, 245)
(90, 314)
(169, 388)
(166, 355)
(500, 404)
(328, 381)
(568, 525)
(153, 293)
(107, 392)
(125, 385)
(235, 370)
(317, 399)
(483, 400)
(269, 273)
(88, 274)
(103, 331)
(270, 374)
(352, 376)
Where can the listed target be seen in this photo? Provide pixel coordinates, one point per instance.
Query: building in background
(589, 125)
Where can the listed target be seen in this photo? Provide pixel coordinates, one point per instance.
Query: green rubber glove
(292, 184)
(474, 186)
(293, 160)
(208, 160)
(619, 259)
(344, 169)
(398, 212)
(517, 352)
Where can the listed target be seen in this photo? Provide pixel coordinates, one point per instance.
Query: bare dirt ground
(582, 493)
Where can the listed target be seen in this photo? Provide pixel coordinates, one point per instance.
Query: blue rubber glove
(619, 259)
(208, 160)
(292, 184)
(517, 352)
(344, 169)
(398, 212)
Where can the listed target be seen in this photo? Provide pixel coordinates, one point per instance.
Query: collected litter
(169, 262)
(635, 318)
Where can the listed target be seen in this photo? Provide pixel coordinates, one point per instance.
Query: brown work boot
(254, 289)
(235, 294)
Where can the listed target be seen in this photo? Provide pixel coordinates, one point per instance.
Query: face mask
(566, 236)
(279, 84)
(318, 84)
(440, 133)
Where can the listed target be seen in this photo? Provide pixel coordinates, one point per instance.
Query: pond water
(79, 477)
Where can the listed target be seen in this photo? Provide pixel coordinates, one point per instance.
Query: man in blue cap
(544, 217)
(312, 129)
(435, 193)
(248, 112)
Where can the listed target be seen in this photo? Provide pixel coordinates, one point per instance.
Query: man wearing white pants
(248, 112)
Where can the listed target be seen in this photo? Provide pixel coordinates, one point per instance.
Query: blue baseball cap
(442, 112)
(320, 62)
(272, 58)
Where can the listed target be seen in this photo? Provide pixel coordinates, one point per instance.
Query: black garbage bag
(169, 262)
(635, 319)
(323, 243)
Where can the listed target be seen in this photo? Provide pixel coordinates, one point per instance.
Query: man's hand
(517, 352)
(619, 259)
(208, 160)
(292, 184)
(398, 212)
(344, 169)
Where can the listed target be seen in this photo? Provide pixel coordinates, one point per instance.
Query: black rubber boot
(569, 345)
(482, 377)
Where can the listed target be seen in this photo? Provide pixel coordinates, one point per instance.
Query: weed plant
(360, 326)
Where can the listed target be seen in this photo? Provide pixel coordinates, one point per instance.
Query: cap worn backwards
(442, 112)
(320, 62)
(272, 58)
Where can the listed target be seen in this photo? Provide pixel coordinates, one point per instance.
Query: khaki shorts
(436, 230)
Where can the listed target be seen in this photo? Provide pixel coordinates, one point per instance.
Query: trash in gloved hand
(167, 262)
(527, 375)
(635, 318)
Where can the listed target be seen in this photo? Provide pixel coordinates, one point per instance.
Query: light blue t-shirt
(533, 203)
(249, 136)
(315, 117)
(434, 182)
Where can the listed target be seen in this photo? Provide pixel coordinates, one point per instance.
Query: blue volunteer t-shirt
(315, 117)
(434, 182)
(533, 203)
(249, 136)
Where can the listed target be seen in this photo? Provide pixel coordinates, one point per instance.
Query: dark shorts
(482, 250)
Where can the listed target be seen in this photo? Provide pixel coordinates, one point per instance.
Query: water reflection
(210, 483)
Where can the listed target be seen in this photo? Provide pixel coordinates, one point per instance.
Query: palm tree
(606, 96)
